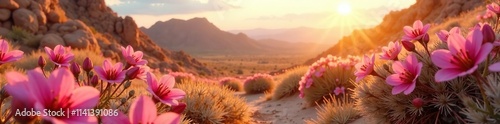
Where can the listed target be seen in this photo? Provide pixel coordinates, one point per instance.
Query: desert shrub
(289, 85)
(433, 94)
(231, 83)
(324, 76)
(213, 104)
(258, 83)
(181, 77)
(336, 111)
(22, 36)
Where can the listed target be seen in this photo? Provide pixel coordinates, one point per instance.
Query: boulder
(25, 19)
(42, 19)
(119, 27)
(23, 3)
(4, 32)
(108, 54)
(57, 16)
(9, 4)
(80, 39)
(45, 4)
(7, 24)
(35, 6)
(4, 14)
(130, 31)
(51, 40)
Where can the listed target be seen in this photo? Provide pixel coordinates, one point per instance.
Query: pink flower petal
(62, 82)
(152, 81)
(410, 88)
(84, 97)
(426, 28)
(447, 74)
(168, 80)
(119, 119)
(483, 53)
(442, 58)
(398, 67)
(4, 45)
(474, 42)
(168, 118)
(40, 87)
(142, 110)
(176, 94)
(455, 43)
(418, 25)
(394, 80)
(400, 88)
(495, 67)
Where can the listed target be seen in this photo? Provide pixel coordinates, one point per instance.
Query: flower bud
(133, 72)
(488, 34)
(417, 102)
(179, 108)
(41, 62)
(425, 39)
(94, 80)
(75, 69)
(409, 46)
(127, 84)
(123, 100)
(131, 93)
(87, 64)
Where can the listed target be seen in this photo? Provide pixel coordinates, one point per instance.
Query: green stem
(485, 70)
(111, 95)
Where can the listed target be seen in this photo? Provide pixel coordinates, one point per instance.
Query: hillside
(84, 24)
(436, 12)
(198, 36)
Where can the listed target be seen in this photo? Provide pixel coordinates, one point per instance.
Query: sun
(344, 8)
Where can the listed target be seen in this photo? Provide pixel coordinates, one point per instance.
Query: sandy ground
(289, 110)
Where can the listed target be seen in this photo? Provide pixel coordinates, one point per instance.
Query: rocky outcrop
(390, 29)
(84, 24)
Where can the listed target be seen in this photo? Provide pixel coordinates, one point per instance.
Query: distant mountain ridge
(199, 36)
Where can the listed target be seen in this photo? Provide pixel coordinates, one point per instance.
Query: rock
(7, 24)
(80, 39)
(4, 14)
(64, 29)
(57, 16)
(130, 31)
(23, 3)
(9, 4)
(51, 40)
(4, 32)
(25, 19)
(42, 29)
(45, 4)
(118, 27)
(35, 6)
(108, 54)
(42, 19)
(54, 28)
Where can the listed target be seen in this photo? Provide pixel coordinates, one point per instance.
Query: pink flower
(138, 72)
(463, 55)
(143, 111)
(415, 33)
(495, 67)
(406, 75)
(339, 90)
(6, 55)
(58, 92)
(364, 68)
(494, 8)
(391, 52)
(443, 34)
(60, 56)
(320, 72)
(164, 91)
(133, 58)
(110, 73)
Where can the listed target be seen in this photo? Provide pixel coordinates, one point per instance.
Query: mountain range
(198, 36)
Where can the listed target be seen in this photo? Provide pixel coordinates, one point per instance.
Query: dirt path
(289, 110)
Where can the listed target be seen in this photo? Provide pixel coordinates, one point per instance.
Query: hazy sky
(250, 14)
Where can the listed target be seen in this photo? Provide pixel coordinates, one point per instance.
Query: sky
(268, 14)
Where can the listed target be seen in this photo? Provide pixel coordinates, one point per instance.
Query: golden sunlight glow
(344, 8)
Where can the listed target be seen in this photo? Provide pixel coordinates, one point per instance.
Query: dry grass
(336, 111)
(289, 84)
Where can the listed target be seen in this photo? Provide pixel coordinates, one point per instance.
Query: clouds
(164, 7)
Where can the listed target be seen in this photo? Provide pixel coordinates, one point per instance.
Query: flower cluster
(331, 73)
(63, 89)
